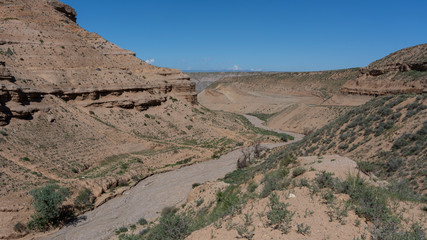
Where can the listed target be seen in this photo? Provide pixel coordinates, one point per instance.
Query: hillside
(298, 102)
(404, 71)
(387, 136)
(303, 102)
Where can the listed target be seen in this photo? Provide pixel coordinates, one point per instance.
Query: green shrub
(325, 180)
(142, 221)
(199, 202)
(370, 202)
(227, 202)
(279, 216)
(84, 200)
(252, 186)
(47, 204)
(366, 166)
(20, 228)
(393, 164)
(328, 196)
(172, 226)
(298, 171)
(275, 180)
(130, 237)
(121, 230)
(303, 229)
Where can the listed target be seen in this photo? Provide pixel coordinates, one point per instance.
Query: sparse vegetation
(48, 207)
(298, 171)
(142, 221)
(279, 216)
(84, 200)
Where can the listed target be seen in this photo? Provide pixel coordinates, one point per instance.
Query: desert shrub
(130, 237)
(252, 186)
(328, 196)
(275, 180)
(393, 164)
(403, 140)
(338, 211)
(370, 202)
(173, 99)
(20, 227)
(391, 230)
(303, 183)
(84, 200)
(303, 229)
(47, 204)
(238, 176)
(402, 191)
(387, 124)
(366, 166)
(344, 136)
(244, 232)
(199, 202)
(194, 185)
(385, 111)
(343, 146)
(279, 216)
(227, 202)
(325, 180)
(121, 230)
(298, 171)
(396, 116)
(142, 221)
(172, 226)
(396, 101)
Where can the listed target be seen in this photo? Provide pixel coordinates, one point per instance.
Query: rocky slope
(404, 71)
(387, 136)
(44, 52)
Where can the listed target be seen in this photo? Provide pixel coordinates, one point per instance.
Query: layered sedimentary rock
(44, 52)
(404, 71)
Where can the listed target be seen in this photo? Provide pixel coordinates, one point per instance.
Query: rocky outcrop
(68, 11)
(21, 102)
(43, 53)
(404, 71)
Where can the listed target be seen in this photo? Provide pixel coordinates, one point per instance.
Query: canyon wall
(43, 51)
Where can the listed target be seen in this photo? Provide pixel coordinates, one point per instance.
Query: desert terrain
(96, 143)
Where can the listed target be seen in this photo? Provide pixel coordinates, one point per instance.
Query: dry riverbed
(150, 196)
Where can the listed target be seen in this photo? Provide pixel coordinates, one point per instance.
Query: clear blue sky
(294, 35)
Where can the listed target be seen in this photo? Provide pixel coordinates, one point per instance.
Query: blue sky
(268, 35)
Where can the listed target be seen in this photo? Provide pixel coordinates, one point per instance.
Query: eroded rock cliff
(404, 71)
(43, 51)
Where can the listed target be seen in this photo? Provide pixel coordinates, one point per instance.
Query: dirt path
(152, 194)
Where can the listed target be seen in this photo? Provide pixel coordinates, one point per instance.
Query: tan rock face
(404, 71)
(44, 51)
